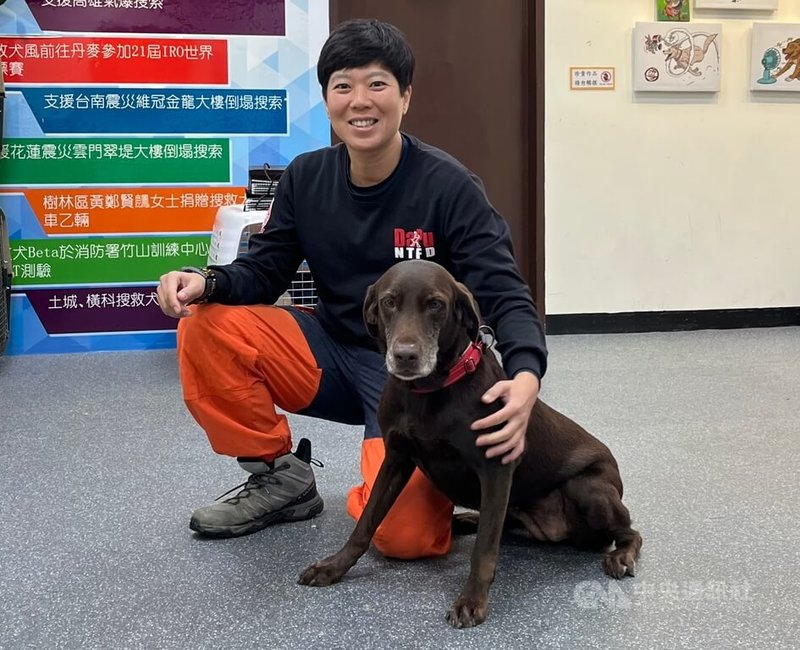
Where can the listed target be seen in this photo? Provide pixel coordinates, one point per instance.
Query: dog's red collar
(467, 364)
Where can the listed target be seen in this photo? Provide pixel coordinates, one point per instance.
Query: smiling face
(366, 107)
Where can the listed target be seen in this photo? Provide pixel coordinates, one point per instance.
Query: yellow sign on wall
(592, 78)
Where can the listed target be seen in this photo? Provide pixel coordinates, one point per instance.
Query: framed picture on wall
(750, 5)
(775, 57)
(678, 57)
(673, 10)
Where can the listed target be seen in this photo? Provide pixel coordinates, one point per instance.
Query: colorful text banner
(80, 161)
(72, 261)
(245, 17)
(140, 210)
(129, 124)
(158, 110)
(99, 309)
(35, 59)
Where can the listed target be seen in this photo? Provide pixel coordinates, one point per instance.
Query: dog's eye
(435, 305)
(388, 302)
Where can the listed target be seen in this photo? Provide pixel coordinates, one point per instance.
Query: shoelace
(259, 480)
(256, 480)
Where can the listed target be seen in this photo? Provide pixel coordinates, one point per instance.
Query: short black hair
(361, 41)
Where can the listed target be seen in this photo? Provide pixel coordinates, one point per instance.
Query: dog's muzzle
(409, 360)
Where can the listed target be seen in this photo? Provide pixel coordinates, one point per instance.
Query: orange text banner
(129, 210)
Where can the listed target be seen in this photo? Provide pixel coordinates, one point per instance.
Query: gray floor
(100, 467)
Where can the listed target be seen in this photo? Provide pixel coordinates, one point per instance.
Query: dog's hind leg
(597, 497)
(466, 523)
(545, 519)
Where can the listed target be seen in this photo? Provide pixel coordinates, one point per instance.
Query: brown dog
(564, 488)
(792, 55)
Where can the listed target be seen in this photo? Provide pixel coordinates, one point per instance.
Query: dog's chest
(443, 447)
(448, 469)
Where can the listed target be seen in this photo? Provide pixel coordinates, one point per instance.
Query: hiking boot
(283, 490)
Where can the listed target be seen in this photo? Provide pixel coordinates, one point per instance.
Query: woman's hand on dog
(518, 396)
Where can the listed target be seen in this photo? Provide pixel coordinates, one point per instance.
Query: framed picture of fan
(749, 5)
(775, 57)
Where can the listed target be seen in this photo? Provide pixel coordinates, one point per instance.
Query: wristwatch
(211, 282)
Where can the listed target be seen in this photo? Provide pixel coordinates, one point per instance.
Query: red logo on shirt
(413, 244)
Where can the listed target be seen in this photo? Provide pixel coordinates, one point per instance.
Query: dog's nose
(405, 354)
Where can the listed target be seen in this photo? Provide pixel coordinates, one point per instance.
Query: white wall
(671, 202)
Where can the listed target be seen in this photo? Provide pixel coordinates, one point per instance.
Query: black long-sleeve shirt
(431, 207)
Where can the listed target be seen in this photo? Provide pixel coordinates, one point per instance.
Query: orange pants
(237, 364)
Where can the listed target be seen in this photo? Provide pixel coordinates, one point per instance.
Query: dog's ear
(371, 312)
(467, 311)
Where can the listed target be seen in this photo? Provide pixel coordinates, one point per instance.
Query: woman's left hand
(518, 396)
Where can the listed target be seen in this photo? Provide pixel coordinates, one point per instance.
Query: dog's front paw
(323, 573)
(467, 612)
